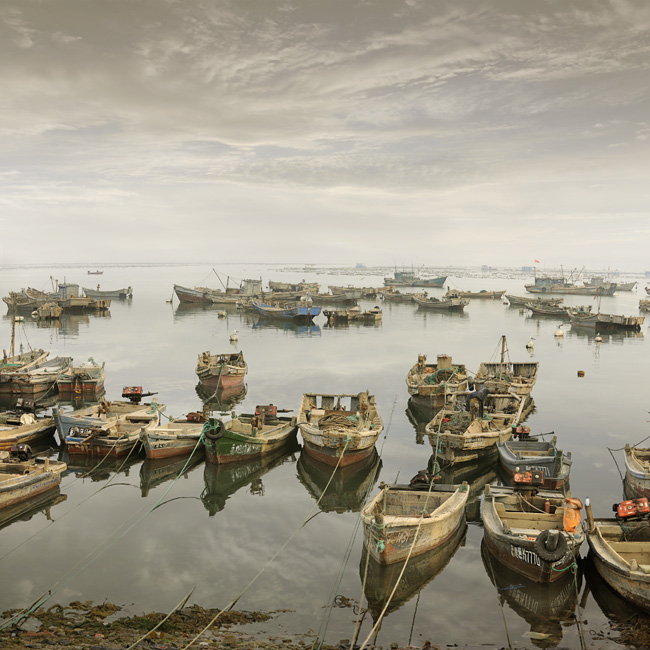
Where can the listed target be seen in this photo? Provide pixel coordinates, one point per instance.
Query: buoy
(599, 338)
(581, 373)
(234, 337)
(559, 332)
(221, 314)
(531, 343)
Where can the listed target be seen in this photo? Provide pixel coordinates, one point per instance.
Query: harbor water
(143, 534)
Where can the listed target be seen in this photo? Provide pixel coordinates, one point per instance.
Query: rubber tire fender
(212, 433)
(551, 554)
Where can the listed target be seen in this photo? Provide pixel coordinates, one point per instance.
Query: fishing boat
(394, 295)
(173, 438)
(520, 301)
(353, 315)
(18, 427)
(36, 380)
(556, 311)
(468, 430)
(535, 532)
(602, 322)
(300, 311)
(84, 381)
(644, 305)
(411, 279)
(637, 471)
(298, 287)
(600, 281)
(12, 366)
(482, 294)
(226, 370)
(199, 295)
(349, 291)
(562, 285)
(339, 429)
(402, 521)
(95, 272)
(23, 477)
(451, 302)
(47, 311)
(114, 438)
(502, 376)
(388, 587)
(248, 436)
(432, 385)
(528, 454)
(82, 421)
(125, 292)
(347, 298)
(620, 550)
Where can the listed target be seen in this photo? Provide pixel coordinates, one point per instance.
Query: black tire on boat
(551, 545)
(213, 429)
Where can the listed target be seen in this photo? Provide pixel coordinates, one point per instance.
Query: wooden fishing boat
(248, 436)
(394, 295)
(353, 315)
(390, 586)
(226, 370)
(95, 272)
(602, 322)
(637, 471)
(125, 292)
(339, 428)
(620, 550)
(469, 429)
(560, 285)
(432, 385)
(20, 428)
(10, 366)
(115, 439)
(644, 305)
(526, 455)
(349, 291)
(347, 298)
(502, 376)
(300, 311)
(548, 310)
(299, 287)
(482, 294)
(535, 532)
(47, 311)
(521, 301)
(85, 381)
(173, 438)
(449, 303)
(80, 422)
(35, 380)
(23, 477)
(402, 520)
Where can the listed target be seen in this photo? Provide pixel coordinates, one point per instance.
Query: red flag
(536, 261)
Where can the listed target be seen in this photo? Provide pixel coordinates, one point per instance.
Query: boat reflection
(299, 329)
(349, 488)
(155, 471)
(419, 414)
(190, 309)
(477, 476)
(224, 480)
(617, 337)
(25, 510)
(221, 399)
(98, 469)
(547, 608)
(420, 570)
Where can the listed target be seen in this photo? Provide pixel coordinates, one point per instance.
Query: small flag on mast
(536, 261)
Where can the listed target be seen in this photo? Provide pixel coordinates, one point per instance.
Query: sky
(326, 131)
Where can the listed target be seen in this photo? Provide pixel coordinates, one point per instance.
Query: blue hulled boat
(300, 312)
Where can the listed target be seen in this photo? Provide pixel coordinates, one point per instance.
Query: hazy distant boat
(452, 302)
(126, 292)
(411, 279)
(297, 312)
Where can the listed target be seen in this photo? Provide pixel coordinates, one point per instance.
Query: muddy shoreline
(105, 626)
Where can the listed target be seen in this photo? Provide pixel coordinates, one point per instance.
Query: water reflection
(99, 469)
(349, 488)
(221, 399)
(25, 510)
(299, 329)
(545, 607)
(420, 570)
(615, 338)
(68, 324)
(155, 471)
(439, 316)
(190, 309)
(223, 480)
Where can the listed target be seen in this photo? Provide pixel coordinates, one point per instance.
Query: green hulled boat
(247, 436)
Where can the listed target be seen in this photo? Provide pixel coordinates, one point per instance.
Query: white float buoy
(234, 337)
(599, 338)
(559, 332)
(531, 343)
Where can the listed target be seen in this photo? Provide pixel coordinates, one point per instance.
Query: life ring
(551, 545)
(214, 429)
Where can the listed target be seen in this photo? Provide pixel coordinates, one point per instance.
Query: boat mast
(220, 280)
(13, 326)
(503, 352)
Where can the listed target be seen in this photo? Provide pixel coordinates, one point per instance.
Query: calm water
(219, 527)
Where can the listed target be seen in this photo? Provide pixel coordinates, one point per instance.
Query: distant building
(527, 269)
(485, 267)
(647, 274)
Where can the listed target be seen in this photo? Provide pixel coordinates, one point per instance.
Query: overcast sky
(343, 131)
